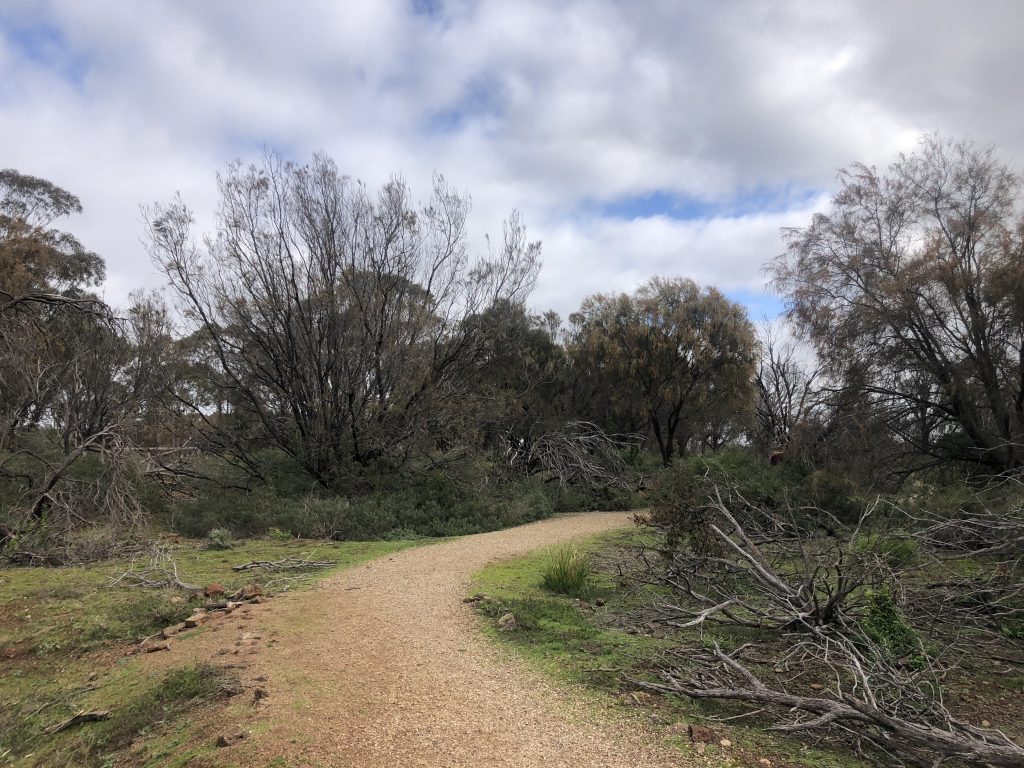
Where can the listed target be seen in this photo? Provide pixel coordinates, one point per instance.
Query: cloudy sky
(637, 138)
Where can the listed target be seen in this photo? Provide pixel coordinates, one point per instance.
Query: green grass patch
(73, 609)
(57, 624)
(141, 707)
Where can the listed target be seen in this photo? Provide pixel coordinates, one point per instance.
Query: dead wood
(286, 564)
(90, 716)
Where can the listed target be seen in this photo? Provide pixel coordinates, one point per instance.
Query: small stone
(251, 590)
(223, 651)
(507, 622)
(700, 747)
(177, 599)
(214, 590)
(725, 743)
(765, 762)
(817, 686)
(153, 647)
(170, 631)
(228, 739)
(986, 724)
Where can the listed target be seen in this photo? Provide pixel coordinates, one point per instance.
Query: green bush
(886, 625)
(568, 572)
(896, 549)
(837, 496)
(420, 505)
(218, 538)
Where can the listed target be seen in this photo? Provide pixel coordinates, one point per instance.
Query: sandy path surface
(384, 665)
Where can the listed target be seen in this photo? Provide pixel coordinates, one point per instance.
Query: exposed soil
(385, 665)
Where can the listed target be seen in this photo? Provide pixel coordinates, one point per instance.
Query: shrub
(218, 538)
(886, 625)
(895, 548)
(568, 572)
(427, 504)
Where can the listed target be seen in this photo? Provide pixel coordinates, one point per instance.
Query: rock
(214, 590)
(765, 762)
(680, 729)
(817, 686)
(725, 743)
(251, 590)
(700, 747)
(228, 739)
(986, 724)
(177, 599)
(196, 619)
(171, 631)
(702, 734)
(507, 622)
(153, 647)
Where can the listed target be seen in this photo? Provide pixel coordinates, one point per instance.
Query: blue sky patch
(759, 200)
(44, 45)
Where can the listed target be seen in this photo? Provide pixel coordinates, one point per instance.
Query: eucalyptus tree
(911, 288)
(337, 317)
(672, 356)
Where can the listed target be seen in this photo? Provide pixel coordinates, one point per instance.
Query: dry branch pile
(882, 620)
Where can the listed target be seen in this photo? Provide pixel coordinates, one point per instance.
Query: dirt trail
(384, 665)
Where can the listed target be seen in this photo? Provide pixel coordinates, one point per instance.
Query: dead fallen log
(90, 716)
(287, 564)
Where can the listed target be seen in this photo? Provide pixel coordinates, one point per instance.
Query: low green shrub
(897, 549)
(886, 625)
(418, 506)
(568, 572)
(218, 538)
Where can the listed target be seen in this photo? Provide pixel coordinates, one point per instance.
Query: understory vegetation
(890, 639)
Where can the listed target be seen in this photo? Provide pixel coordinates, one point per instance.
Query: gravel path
(384, 665)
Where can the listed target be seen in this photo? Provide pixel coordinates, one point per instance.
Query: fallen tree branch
(955, 741)
(91, 716)
(287, 564)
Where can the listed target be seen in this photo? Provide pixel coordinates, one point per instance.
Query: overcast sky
(637, 138)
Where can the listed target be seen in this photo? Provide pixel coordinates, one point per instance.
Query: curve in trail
(384, 665)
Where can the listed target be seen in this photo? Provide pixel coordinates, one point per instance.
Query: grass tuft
(568, 572)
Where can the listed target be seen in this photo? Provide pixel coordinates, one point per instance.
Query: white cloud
(545, 107)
